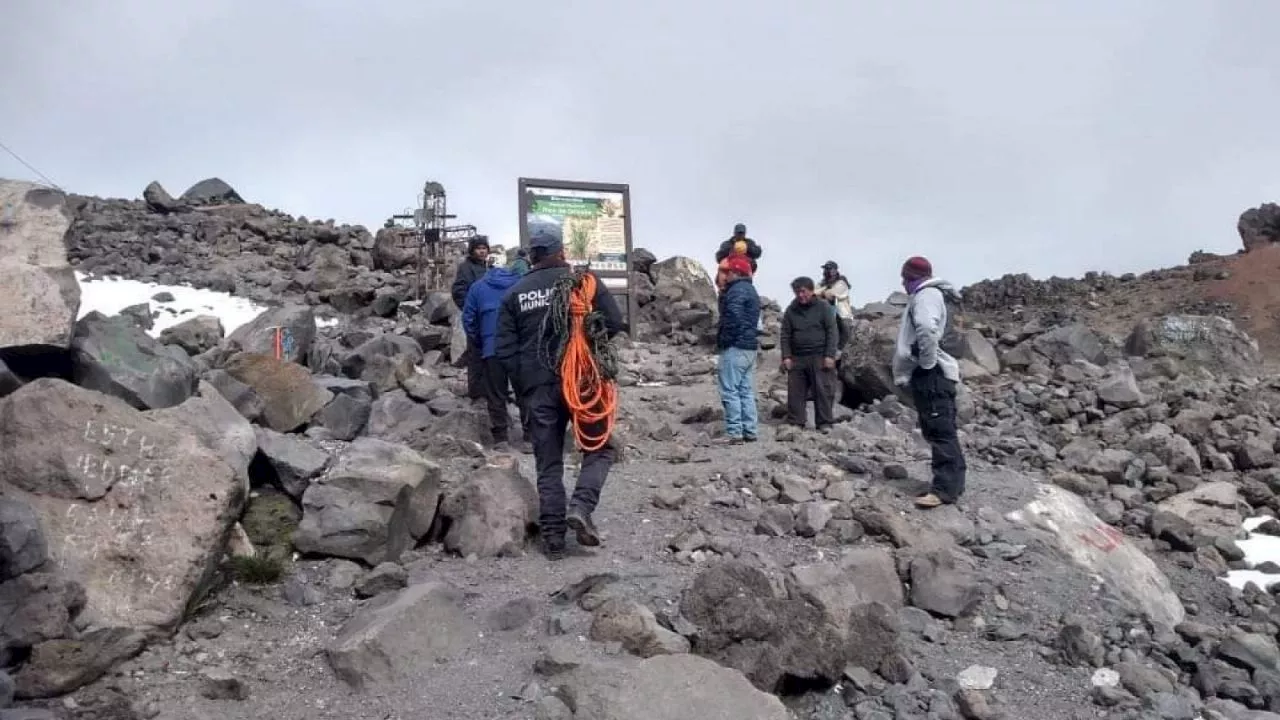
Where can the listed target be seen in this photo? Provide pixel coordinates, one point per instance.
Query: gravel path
(275, 645)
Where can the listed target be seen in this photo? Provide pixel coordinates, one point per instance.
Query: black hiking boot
(582, 525)
(553, 548)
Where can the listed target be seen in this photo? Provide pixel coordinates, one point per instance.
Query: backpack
(952, 340)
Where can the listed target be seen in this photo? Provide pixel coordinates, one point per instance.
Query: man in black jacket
(809, 342)
(472, 268)
(527, 346)
(740, 244)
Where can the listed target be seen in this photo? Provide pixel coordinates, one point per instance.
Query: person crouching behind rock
(809, 338)
(527, 347)
(931, 375)
(737, 344)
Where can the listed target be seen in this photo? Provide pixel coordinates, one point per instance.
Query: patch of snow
(1257, 548)
(110, 295)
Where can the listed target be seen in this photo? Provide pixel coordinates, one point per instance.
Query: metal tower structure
(430, 236)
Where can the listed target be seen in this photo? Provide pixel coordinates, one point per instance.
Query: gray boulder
(296, 461)
(197, 335)
(212, 191)
(296, 325)
(665, 687)
(376, 500)
(41, 297)
(116, 357)
(400, 636)
(136, 510)
(492, 513)
(1206, 341)
(289, 395)
(217, 424)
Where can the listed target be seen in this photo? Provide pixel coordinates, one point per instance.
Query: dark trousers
(548, 421)
(475, 372)
(498, 395)
(845, 328)
(807, 378)
(935, 400)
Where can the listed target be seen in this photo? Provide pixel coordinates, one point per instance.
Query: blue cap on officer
(545, 243)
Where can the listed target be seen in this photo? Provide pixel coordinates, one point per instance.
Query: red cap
(737, 264)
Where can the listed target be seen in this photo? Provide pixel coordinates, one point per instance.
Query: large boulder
(159, 200)
(294, 460)
(22, 543)
(197, 335)
(1212, 509)
(116, 357)
(684, 304)
(747, 622)
(1071, 527)
(394, 249)
(41, 297)
(295, 326)
(138, 511)
(491, 513)
(400, 636)
(217, 424)
(665, 687)
(289, 395)
(1259, 226)
(212, 191)
(1207, 341)
(374, 502)
(866, 371)
(1070, 344)
(383, 360)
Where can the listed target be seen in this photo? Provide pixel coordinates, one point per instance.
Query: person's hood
(500, 278)
(947, 288)
(737, 280)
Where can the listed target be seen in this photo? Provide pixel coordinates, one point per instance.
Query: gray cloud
(993, 136)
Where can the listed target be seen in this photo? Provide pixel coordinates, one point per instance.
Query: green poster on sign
(590, 223)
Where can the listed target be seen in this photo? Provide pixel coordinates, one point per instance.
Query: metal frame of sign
(618, 281)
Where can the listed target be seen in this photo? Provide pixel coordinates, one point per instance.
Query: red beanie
(737, 264)
(916, 268)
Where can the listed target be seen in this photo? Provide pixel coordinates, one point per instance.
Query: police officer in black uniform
(527, 347)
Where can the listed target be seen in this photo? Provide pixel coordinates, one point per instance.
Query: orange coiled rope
(590, 394)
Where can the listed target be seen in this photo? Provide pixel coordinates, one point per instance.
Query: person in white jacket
(835, 290)
(920, 364)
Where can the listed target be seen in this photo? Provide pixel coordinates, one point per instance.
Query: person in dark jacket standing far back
(737, 343)
(809, 342)
(527, 346)
(919, 363)
(472, 268)
(480, 321)
(740, 244)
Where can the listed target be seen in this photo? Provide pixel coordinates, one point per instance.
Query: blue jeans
(738, 392)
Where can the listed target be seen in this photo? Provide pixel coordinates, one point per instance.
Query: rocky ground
(191, 526)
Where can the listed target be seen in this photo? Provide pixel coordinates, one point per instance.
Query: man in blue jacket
(480, 322)
(737, 344)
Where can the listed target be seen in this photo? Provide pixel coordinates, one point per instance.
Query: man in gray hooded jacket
(920, 364)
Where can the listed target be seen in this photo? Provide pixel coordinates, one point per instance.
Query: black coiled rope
(554, 333)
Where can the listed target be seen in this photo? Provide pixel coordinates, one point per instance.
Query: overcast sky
(991, 136)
